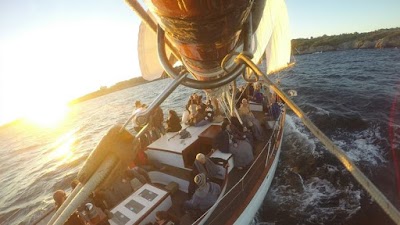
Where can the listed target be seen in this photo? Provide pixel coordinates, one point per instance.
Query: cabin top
(173, 143)
(171, 150)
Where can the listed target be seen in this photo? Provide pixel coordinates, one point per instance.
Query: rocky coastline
(384, 38)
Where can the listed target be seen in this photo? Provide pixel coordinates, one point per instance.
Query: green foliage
(336, 42)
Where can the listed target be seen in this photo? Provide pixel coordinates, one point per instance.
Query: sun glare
(63, 146)
(49, 116)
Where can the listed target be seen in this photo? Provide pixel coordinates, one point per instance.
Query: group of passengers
(198, 113)
(203, 164)
(237, 136)
(204, 187)
(98, 205)
(263, 95)
(156, 124)
(233, 140)
(89, 212)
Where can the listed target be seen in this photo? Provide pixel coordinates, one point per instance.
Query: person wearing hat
(203, 164)
(249, 120)
(205, 196)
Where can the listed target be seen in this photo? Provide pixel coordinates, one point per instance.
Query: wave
(363, 147)
(310, 184)
(318, 201)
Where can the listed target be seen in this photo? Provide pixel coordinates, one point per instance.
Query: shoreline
(379, 39)
(114, 88)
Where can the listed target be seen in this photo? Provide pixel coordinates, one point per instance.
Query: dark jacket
(221, 142)
(173, 124)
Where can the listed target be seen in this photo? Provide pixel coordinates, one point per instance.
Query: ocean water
(352, 96)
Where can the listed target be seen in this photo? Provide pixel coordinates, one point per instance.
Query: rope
(223, 107)
(383, 202)
(247, 84)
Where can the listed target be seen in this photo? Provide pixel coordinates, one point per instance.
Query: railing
(222, 210)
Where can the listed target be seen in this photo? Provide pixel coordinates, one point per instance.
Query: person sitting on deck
(242, 130)
(185, 115)
(59, 198)
(215, 104)
(203, 164)
(139, 107)
(157, 121)
(241, 150)
(257, 95)
(205, 196)
(250, 120)
(221, 141)
(200, 102)
(198, 119)
(209, 110)
(275, 110)
(250, 90)
(173, 122)
(235, 133)
(192, 104)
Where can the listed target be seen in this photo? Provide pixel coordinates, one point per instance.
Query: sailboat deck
(234, 176)
(237, 186)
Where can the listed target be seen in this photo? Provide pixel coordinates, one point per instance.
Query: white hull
(250, 211)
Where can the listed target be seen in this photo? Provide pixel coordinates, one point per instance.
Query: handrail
(205, 216)
(375, 193)
(269, 142)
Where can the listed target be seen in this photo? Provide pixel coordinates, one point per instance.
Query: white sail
(150, 67)
(272, 36)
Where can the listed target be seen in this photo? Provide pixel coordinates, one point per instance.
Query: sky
(54, 51)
